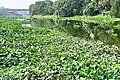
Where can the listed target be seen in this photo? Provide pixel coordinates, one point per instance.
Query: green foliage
(92, 9)
(96, 7)
(33, 9)
(70, 7)
(43, 53)
(103, 27)
(41, 8)
(116, 8)
(100, 19)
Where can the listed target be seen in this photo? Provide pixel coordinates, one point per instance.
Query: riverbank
(104, 28)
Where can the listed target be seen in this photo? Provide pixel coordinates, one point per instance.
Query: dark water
(78, 29)
(75, 28)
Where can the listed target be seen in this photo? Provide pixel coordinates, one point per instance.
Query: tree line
(76, 7)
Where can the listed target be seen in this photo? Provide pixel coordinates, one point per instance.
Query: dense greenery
(41, 8)
(104, 28)
(75, 7)
(116, 8)
(68, 7)
(43, 53)
(103, 25)
(66, 41)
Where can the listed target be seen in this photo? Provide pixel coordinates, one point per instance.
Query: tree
(106, 5)
(68, 7)
(42, 8)
(33, 9)
(95, 7)
(115, 8)
(92, 9)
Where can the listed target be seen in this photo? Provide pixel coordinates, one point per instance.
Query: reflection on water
(78, 29)
(75, 28)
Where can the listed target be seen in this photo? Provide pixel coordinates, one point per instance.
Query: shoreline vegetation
(105, 28)
(90, 19)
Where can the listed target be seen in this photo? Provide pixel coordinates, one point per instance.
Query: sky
(17, 4)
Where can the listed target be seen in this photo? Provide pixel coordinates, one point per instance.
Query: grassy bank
(104, 28)
(89, 19)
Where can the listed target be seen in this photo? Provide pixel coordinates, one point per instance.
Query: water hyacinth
(43, 53)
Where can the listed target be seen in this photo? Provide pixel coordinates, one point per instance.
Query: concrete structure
(17, 11)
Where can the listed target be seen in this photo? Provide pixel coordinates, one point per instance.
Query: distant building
(17, 11)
